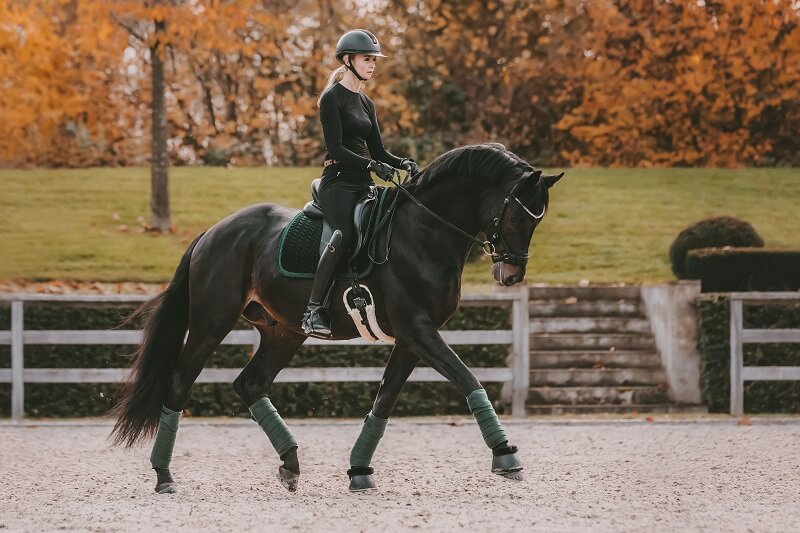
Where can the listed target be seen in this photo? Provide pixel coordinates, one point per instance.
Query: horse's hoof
(507, 463)
(361, 483)
(288, 479)
(167, 488)
(361, 478)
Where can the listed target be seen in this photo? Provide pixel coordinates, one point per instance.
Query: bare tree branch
(130, 30)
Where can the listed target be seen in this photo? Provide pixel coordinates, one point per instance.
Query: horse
(230, 270)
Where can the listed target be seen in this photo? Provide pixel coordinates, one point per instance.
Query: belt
(330, 162)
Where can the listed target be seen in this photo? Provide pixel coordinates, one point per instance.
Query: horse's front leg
(401, 364)
(428, 345)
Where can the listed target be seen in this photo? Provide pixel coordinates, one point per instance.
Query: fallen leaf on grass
(744, 421)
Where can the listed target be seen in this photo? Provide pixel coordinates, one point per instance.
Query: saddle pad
(298, 253)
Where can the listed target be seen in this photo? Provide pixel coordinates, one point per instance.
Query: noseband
(489, 246)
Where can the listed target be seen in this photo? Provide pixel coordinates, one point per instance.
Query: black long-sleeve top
(350, 125)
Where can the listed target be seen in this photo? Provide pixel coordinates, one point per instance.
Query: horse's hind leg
(401, 364)
(277, 347)
(208, 325)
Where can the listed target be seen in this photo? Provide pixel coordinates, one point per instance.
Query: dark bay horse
(231, 270)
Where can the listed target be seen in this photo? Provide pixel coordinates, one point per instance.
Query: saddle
(364, 217)
(307, 234)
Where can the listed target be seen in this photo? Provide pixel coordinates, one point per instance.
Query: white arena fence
(741, 336)
(515, 377)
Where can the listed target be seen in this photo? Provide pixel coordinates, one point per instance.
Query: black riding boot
(316, 321)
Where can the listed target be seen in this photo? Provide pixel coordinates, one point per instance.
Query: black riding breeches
(339, 192)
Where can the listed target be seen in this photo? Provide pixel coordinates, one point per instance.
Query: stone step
(591, 341)
(590, 292)
(604, 359)
(597, 395)
(655, 408)
(589, 325)
(596, 377)
(621, 308)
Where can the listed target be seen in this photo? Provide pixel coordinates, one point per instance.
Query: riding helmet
(358, 42)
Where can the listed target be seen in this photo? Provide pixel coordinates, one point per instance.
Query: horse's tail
(145, 388)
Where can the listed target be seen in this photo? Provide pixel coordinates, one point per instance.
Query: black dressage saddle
(363, 217)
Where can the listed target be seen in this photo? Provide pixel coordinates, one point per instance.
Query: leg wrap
(481, 408)
(367, 441)
(165, 438)
(273, 425)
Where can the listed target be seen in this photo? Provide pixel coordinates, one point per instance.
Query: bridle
(496, 234)
(490, 246)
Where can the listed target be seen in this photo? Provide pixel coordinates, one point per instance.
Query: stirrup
(319, 328)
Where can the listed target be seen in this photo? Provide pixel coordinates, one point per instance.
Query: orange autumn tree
(477, 71)
(684, 83)
(59, 105)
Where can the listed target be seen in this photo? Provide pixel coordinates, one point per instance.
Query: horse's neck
(456, 203)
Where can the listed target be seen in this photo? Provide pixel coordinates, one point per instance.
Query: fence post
(737, 358)
(17, 361)
(521, 368)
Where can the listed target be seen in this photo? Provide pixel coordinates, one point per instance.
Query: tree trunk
(159, 178)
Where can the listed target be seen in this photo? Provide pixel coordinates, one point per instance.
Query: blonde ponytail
(335, 77)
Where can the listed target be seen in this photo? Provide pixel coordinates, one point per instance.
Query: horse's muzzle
(506, 274)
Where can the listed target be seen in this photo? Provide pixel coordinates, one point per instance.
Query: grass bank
(604, 224)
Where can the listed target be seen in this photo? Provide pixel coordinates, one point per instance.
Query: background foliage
(624, 82)
(713, 314)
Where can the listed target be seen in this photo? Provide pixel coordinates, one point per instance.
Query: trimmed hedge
(713, 314)
(707, 233)
(744, 269)
(291, 399)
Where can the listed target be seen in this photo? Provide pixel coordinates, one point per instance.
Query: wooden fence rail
(741, 336)
(516, 377)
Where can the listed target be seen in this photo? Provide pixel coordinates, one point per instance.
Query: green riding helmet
(358, 42)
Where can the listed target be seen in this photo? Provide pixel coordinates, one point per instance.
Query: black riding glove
(410, 166)
(382, 170)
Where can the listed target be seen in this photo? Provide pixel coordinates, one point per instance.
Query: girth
(363, 216)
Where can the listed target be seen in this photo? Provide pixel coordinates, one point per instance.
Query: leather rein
(489, 246)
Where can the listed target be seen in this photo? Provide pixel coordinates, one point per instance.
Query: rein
(488, 246)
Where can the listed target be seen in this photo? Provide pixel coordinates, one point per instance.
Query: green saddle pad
(298, 254)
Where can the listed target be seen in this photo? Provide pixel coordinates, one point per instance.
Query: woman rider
(350, 127)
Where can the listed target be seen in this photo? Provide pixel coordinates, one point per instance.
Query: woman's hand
(382, 170)
(410, 166)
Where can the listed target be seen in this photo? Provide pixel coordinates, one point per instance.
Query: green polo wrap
(273, 425)
(165, 438)
(367, 441)
(481, 408)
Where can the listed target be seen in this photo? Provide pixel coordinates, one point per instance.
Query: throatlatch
(161, 455)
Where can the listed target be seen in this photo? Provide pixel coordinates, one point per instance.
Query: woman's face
(364, 64)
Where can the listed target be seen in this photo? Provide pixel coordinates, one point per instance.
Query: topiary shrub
(714, 232)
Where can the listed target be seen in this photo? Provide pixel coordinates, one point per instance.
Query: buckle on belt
(329, 162)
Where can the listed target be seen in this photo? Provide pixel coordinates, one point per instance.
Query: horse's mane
(489, 160)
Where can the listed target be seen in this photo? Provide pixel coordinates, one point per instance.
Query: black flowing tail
(145, 388)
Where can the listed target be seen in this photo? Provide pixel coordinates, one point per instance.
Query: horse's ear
(549, 181)
(528, 181)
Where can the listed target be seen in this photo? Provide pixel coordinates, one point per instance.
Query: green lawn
(604, 224)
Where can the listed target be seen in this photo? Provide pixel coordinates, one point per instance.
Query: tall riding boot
(316, 320)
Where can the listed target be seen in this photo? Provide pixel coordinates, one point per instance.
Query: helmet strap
(352, 69)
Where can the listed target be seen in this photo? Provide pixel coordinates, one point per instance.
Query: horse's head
(511, 229)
